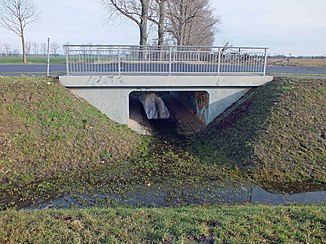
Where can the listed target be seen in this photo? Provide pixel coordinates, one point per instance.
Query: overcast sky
(285, 26)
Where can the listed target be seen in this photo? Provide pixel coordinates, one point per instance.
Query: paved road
(60, 69)
(31, 69)
(296, 70)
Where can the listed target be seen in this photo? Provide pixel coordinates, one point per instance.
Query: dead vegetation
(296, 62)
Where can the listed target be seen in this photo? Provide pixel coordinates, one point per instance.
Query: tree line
(31, 48)
(177, 22)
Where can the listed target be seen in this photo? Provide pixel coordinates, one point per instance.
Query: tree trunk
(161, 23)
(143, 23)
(23, 47)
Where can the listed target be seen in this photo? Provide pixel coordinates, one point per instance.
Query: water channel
(162, 195)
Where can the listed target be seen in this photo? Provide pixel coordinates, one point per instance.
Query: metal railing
(170, 60)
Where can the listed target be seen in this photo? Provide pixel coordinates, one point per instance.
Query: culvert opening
(168, 112)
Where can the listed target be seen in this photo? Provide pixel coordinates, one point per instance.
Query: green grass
(33, 60)
(215, 224)
(47, 134)
(53, 143)
(276, 133)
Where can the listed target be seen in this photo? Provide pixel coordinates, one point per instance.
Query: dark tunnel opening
(187, 110)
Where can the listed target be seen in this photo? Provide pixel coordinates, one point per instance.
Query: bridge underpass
(196, 84)
(184, 114)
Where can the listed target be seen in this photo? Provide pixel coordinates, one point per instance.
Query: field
(33, 60)
(298, 62)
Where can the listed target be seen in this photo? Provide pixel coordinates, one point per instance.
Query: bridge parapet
(164, 60)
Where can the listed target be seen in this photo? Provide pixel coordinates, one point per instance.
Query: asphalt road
(60, 69)
(31, 69)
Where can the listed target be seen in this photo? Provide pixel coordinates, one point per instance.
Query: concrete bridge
(205, 80)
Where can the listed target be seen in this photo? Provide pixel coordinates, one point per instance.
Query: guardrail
(170, 60)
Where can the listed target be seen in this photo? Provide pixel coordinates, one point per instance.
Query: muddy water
(164, 196)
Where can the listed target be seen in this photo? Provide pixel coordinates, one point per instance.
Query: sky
(296, 27)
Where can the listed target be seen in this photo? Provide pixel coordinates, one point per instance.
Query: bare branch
(135, 10)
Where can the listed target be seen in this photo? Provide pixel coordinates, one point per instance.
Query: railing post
(119, 61)
(265, 62)
(219, 61)
(67, 60)
(170, 61)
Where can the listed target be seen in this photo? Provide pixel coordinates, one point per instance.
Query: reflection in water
(163, 196)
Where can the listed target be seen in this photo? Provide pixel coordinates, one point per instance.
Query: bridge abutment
(206, 96)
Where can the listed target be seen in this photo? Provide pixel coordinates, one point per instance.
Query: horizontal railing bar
(167, 47)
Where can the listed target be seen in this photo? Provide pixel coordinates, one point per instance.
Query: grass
(46, 133)
(307, 76)
(299, 62)
(33, 60)
(53, 143)
(276, 133)
(205, 224)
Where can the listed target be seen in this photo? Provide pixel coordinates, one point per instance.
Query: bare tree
(15, 52)
(157, 16)
(15, 15)
(43, 48)
(54, 48)
(28, 47)
(135, 10)
(35, 48)
(7, 48)
(191, 22)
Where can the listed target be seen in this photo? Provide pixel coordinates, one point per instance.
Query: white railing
(170, 60)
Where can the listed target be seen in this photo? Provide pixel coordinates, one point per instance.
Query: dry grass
(298, 62)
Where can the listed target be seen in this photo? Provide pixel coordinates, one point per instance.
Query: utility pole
(48, 64)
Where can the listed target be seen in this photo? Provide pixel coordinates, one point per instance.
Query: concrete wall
(112, 102)
(209, 104)
(222, 98)
(111, 94)
(196, 101)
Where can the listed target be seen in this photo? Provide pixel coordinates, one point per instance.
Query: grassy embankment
(237, 224)
(52, 143)
(276, 134)
(48, 138)
(33, 60)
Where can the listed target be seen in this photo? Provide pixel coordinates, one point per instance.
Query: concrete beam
(164, 81)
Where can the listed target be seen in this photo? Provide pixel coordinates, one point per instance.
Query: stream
(162, 195)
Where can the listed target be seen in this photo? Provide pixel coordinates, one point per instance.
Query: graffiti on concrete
(202, 102)
(198, 103)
